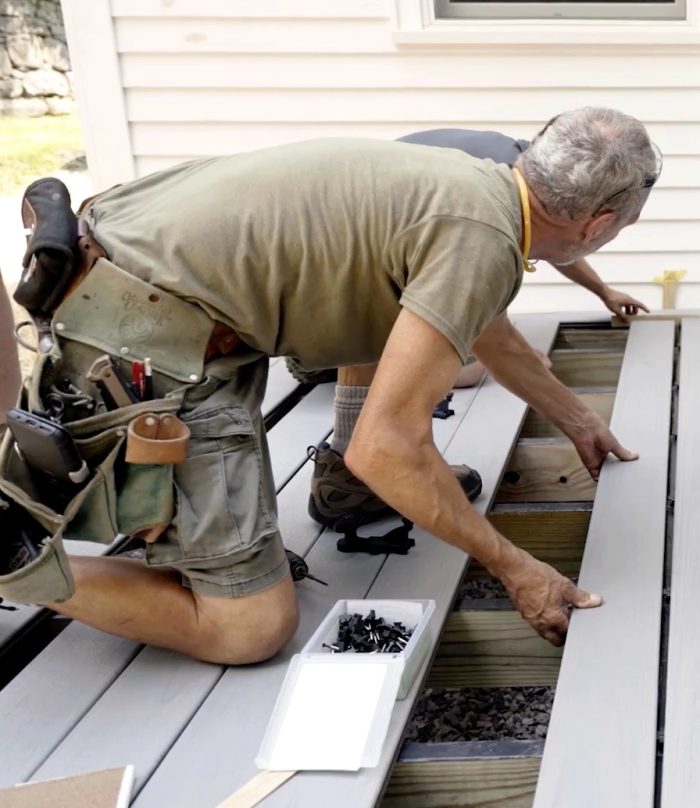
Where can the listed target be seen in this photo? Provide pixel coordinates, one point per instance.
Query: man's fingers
(623, 454)
(554, 637)
(582, 599)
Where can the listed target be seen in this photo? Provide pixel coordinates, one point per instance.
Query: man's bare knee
(240, 631)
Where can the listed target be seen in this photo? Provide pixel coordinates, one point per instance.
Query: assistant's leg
(122, 596)
(10, 377)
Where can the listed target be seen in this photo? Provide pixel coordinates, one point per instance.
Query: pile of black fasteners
(369, 635)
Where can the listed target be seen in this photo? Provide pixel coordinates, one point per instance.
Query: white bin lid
(332, 713)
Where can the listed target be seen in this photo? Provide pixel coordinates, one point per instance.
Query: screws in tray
(369, 634)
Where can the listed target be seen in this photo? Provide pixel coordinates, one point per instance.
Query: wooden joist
(536, 426)
(553, 532)
(487, 783)
(586, 368)
(492, 649)
(591, 338)
(601, 745)
(545, 470)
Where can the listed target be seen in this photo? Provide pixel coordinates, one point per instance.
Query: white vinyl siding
(206, 77)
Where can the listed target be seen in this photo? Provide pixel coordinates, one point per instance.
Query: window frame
(582, 10)
(416, 24)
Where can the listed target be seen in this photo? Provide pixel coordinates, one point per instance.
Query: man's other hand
(595, 442)
(625, 306)
(544, 597)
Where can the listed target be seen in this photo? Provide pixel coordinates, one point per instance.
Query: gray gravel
(481, 714)
(480, 589)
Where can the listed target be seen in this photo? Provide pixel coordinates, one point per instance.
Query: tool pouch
(53, 231)
(115, 313)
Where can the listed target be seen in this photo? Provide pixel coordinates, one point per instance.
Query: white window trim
(415, 24)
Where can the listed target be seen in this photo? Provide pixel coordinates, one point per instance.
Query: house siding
(192, 78)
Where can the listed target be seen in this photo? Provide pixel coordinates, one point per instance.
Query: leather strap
(156, 439)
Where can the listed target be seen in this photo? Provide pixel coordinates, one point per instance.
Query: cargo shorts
(224, 538)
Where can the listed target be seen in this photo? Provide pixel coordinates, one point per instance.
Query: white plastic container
(414, 614)
(333, 710)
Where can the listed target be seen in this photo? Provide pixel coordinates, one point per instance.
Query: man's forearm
(582, 273)
(418, 483)
(514, 364)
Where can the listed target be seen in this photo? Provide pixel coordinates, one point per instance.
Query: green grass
(33, 147)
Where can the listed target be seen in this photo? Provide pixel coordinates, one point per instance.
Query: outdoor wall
(35, 74)
(162, 81)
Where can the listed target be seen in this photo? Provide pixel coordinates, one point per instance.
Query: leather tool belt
(88, 343)
(61, 252)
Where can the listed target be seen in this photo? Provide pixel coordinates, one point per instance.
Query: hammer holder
(156, 439)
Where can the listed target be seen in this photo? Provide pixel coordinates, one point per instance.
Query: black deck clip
(442, 408)
(396, 541)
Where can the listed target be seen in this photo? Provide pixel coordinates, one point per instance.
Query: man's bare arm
(392, 450)
(620, 303)
(515, 365)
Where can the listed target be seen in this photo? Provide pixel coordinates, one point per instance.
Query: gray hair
(589, 158)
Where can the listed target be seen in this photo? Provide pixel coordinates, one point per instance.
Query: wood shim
(256, 789)
(662, 314)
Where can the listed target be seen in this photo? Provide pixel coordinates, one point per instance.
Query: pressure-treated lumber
(545, 470)
(492, 649)
(495, 783)
(591, 338)
(601, 744)
(586, 368)
(681, 767)
(536, 426)
(553, 532)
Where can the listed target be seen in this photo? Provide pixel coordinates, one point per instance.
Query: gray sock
(348, 404)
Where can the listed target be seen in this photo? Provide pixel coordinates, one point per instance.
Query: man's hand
(595, 441)
(625, 306)
(544, 597)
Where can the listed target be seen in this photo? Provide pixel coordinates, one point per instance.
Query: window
(561, 9)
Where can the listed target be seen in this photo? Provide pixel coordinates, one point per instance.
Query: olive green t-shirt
(310, 249)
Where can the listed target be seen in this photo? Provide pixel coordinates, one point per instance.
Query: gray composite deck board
(134, 720)
(433, 569)
(41, 705)
(308, 423)
(681, 767)
(280, 384)
(601, 743)
(238, 709)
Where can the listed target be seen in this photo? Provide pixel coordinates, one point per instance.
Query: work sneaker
(341, 500)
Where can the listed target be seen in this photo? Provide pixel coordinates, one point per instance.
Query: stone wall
(35, 77)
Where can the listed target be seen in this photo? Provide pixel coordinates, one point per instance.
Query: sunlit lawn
(32, 147)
